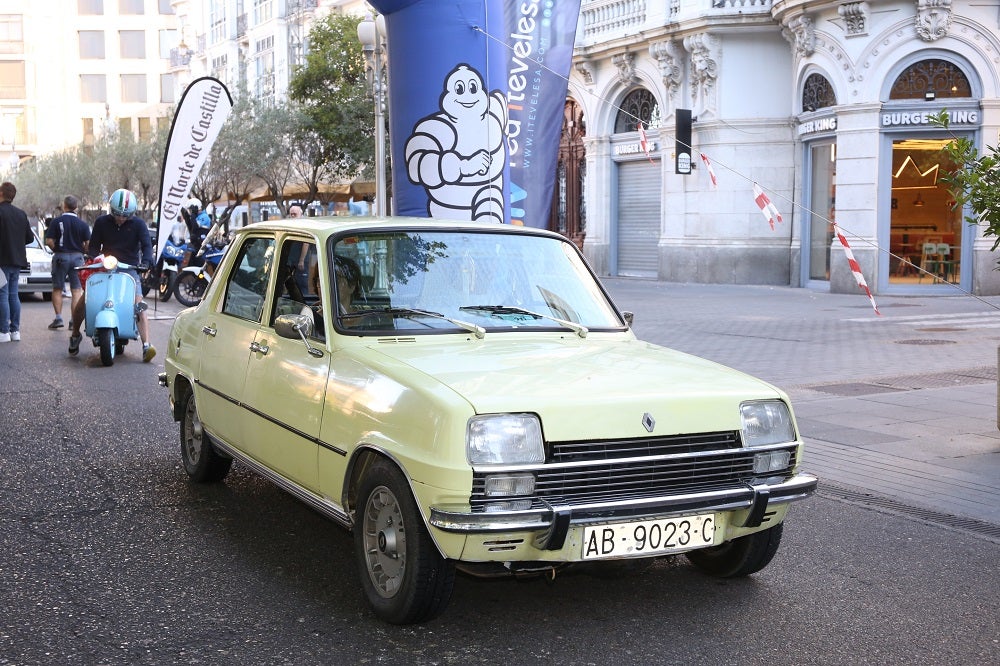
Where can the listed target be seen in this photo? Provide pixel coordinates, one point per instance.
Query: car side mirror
(293, 326)
(629, 317)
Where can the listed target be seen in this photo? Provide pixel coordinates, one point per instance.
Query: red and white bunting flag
(855, 267)
(644, 142)
(711, 171)
(769, 210)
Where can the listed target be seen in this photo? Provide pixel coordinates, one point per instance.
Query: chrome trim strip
(453, 518)
(256, 412)
(321, 504)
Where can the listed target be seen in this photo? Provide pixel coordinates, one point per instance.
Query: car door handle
(259, 348)
(209, 330)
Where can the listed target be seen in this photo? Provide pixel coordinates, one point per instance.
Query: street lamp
(370, 33)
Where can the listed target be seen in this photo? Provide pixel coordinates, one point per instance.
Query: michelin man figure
(458, 154)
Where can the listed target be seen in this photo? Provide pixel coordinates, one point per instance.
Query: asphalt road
(108, 555)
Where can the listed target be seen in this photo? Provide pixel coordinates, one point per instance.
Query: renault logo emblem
(648, 422)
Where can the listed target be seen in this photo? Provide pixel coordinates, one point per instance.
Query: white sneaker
(4, 337)
(15, 336)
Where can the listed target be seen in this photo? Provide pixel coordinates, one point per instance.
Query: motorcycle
(194, 280)
(164, 275)
(112, 313)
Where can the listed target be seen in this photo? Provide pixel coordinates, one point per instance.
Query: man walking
(67, 235)
(15, 234)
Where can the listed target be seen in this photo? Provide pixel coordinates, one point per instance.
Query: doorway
(925, 230)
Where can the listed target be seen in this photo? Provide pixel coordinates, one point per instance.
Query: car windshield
(442, 281)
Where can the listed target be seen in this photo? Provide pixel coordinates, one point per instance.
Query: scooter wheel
(106, 341)
(166, 286)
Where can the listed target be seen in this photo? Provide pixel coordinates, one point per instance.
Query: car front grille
(608, 471)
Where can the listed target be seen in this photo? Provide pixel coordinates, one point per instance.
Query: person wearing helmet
(199, 223)
(123, 235)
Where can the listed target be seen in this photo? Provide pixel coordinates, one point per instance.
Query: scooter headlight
(110, 263)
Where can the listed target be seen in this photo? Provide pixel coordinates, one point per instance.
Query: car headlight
(504, 439)
(766, 422)
(41, 267)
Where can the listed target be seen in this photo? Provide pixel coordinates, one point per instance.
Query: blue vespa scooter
(112, 313)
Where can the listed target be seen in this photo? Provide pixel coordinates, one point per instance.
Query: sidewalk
(898, 411)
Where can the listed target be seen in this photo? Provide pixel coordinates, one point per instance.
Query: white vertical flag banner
(200, 115)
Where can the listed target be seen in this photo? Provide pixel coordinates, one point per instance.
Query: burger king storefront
(895, 209)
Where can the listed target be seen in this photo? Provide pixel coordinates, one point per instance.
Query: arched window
(817, 93)
(637, 105)
(940, 77)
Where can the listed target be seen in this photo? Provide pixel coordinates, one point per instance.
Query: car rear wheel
(403, 575)
(739, 557)
(201, 461)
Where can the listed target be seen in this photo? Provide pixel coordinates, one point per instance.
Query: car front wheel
(403, 575)
(739, 557)
(201, 461)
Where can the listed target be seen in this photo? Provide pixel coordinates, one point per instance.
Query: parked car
(468, 397)
(38, 277)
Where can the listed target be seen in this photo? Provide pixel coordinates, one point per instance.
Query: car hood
(589, 388)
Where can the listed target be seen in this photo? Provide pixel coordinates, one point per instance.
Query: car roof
(335, 224)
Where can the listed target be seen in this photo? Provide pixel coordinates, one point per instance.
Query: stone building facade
(823, 103)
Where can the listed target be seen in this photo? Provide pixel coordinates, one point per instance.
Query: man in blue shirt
(126, 237)
(67, 236)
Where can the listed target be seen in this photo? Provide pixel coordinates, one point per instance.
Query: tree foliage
(331, 87)
(976, 180)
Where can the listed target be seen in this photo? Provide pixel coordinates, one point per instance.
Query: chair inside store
(947, 264)
(930, 260)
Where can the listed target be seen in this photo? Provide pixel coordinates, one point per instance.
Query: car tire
(739, 557)
(106, 341)
(405, 578)
(201, 461)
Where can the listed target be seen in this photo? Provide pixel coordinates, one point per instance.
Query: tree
(975, 182)
(340, 116)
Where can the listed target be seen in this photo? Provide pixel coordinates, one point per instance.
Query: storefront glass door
(822, 202)
(925, 233)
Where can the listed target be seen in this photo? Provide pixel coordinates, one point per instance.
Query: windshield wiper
(579, 329)
(409, 313)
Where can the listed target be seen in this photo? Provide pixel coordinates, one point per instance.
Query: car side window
(247, 282)
(297, 289)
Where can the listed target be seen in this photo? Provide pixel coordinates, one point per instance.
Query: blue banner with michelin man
(475, 99)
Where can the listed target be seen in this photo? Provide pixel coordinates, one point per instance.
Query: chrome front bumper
(555, 520)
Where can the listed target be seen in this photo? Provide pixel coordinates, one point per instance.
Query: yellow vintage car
(467, 397)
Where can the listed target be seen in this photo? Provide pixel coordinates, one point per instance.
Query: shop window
(638, 105)
(938, 78)
(817, 93)
(925, 228)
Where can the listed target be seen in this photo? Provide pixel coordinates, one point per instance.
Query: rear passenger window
(247, 283)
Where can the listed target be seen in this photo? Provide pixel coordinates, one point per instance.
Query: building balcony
(609, 21)
(293, 7)
(180, 57)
